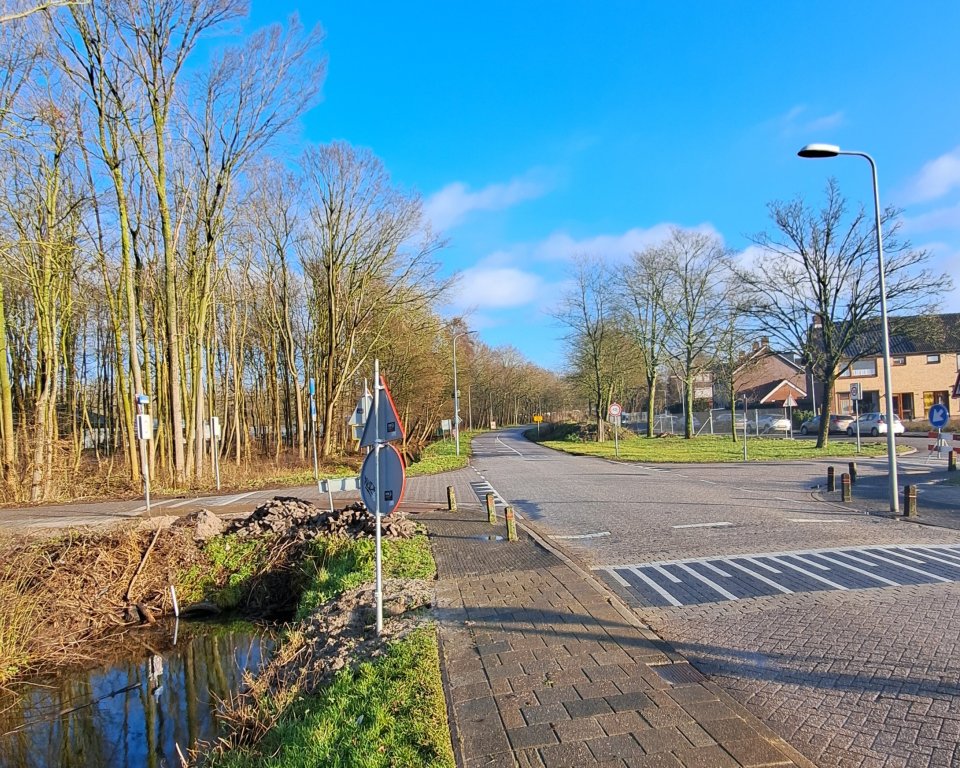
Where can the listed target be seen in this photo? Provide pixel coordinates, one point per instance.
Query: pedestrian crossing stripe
(481, 488)
(695, 581)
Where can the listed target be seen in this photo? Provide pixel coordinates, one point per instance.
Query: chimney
(756, 346)
(817, 321)
(764, 341)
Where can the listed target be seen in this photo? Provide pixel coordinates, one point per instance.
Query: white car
(773, 423)
(875, 424)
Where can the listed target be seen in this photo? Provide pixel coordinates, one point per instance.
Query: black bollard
(952, 461)
(831, 481)
(853, 473)
(845, 494)
(451, 499)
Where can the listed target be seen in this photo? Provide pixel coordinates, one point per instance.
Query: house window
(933, 359)
(901, 360)
(865, 367)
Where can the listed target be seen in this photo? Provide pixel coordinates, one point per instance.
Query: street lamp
(456, 391)
(831, 150)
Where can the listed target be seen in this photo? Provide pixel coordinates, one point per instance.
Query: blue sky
(535, 131)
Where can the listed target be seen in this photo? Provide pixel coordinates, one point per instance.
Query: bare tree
(696, 265)
(816, 286)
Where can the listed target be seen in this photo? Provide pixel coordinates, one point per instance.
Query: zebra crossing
(694, 581)
(481, 488)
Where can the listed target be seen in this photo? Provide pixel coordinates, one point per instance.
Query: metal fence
(766, 422)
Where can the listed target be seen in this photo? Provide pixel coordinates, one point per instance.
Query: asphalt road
(839, 628)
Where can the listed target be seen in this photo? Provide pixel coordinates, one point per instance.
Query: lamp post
(831, 150)
(456, 391)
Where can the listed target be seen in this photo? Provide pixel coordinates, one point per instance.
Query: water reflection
(135, 712)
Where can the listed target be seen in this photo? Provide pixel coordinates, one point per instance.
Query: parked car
(875, 424)
(838, 423)
(773, 423)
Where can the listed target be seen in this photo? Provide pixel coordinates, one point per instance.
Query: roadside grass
(441, 456)
(335, 564)
(712, 449)
(382, 713)
(18, 615)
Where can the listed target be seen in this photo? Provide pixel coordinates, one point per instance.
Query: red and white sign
(615, 409)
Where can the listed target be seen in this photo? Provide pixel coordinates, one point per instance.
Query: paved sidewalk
(545, 667)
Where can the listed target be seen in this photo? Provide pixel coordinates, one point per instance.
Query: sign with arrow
(389, 428)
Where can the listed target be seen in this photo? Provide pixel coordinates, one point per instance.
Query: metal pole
(887, 378)
(456, 395)
(214, 423)
(856, 417)
(313, 428)
(744, 426)
(376, 507)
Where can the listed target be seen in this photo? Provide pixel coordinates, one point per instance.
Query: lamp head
(819, 150)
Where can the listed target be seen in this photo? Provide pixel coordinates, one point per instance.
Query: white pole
(313, 427)
(376, 507)
(456, 395)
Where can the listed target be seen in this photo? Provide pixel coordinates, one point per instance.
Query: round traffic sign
(939, 416)
(391, 481)
(615, 409)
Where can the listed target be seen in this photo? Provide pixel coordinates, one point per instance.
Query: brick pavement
(545, 667)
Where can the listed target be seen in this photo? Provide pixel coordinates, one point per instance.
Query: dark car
(838, 423)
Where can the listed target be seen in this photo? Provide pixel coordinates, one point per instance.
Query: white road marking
(808, 520)
(509, 448)
(860, 570)
(584, 535)
(714, 586)
(714, 568)
(810, 575)
(184, 503)
(761, 577)
(909, 567)
(944, 557)
(703, 525)
(667, 575)
(233, 499)
(656, 587)
(761, 565)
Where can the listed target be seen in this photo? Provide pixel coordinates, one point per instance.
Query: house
(924, 367)
(766, 378)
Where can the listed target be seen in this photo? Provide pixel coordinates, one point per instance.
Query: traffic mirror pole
(376, 507)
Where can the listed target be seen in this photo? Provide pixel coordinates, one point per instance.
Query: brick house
(765, 377)
(925, 368)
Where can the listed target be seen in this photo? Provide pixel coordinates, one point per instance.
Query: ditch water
(136, 711)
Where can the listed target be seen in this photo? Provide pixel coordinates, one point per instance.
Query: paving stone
(629, 701)
(755, 752)
(661, 739)
(550, 713)
(617, 723)
(572, 755)
(531, 736)
(705, 757)
(623, 747)
(587, 707)
(580, 729)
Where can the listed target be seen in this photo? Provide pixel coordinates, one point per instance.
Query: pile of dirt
(291, 518)
(340, 633)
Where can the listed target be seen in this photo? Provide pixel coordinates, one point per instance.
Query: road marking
(703, 525)
(809, 520)
(667, 575)
(184, 503)
(888, 582)
(808, 574)
(713, 585)
(509, 448)
(656, 587)
(761, 577)
(909, 568)
(233, 499)
(584, 535)
(761, 565)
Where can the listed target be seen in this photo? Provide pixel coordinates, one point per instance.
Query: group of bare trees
(687, 307)
(154, 240)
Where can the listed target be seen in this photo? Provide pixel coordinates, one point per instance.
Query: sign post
(790, 404)
(144, 431)
(313, 428)
(537, 419)
(614, 411)
(382, 477)
(938, 416)
(215, 447)
(855, 394)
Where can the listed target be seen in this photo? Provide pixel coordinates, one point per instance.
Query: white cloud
(799, 120)
(936, 178)
(935, 220)
(613, 247)
(484, 287)
(448, 207)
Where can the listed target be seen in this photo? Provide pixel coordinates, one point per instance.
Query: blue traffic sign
(939, 416)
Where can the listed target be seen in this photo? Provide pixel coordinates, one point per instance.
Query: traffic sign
(362, 410)
(615, 409)
(391, 483)
(537, 418)
(855, 391)
(390, 427)
(939, 416)
(789, 402)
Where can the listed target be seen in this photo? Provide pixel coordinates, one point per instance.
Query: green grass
(441, 456)
(232, 563)
(388, 713)
(385, 713)
(334, 564)
(712, 448)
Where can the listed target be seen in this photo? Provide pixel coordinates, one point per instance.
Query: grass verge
(712, 448)
(441, 456)
(379, 712)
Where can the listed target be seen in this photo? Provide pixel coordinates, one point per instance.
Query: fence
(766, 422)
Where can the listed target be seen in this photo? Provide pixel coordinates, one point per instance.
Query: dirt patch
(291, 517)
